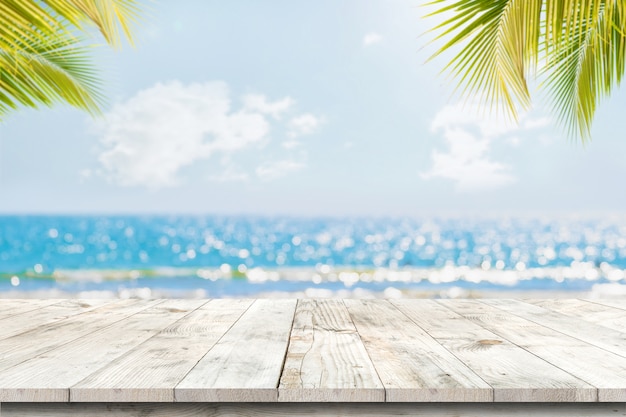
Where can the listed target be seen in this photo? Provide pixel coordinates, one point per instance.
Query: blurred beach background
(304, 149)
(208, 257)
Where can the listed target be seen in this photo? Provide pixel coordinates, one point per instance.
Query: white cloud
(305, 124)
(489, 124)
(371, 39)
(278, 169)
(258, 102)
(467, 163)
(468, 135)
(148, 139)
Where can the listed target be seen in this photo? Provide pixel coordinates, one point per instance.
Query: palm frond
(53, 73)
(107, 15)
(586, 64)
(44, 61)
(580, 43)
(497, 38)
(23, 23)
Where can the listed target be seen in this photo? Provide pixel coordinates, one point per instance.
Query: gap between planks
(314, 409)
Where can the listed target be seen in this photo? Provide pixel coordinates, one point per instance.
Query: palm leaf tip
(582, 44)
(44, 62)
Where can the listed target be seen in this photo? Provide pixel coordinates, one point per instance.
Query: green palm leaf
(43, 60)
(581, 44)
(49, 73)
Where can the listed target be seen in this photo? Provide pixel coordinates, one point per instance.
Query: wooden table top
(312, 350)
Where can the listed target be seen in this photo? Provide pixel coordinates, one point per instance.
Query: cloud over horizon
(468, 135)
(150, 138)
(467, 163)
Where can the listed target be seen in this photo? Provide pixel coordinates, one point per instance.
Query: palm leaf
(107, 15)
(497, 38)
(587, 65)
(52, 73)
(43, 61)
(581, 44)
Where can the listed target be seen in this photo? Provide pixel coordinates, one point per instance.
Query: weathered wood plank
(326, 360)
(14, 307)
(43, 338)
(411, 364)
(615, 303)
(315, 409)
(418, 348)
(598, 314)
(514, 373)
(589, 332)
(45, 314)
(600, 368)
(48, 377)
(150, 371)
(246, 363)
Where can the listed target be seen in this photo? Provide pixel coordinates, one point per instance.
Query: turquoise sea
(212, 256)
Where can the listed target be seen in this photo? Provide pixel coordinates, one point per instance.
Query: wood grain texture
(33, 318)
(353, 350)
(615, 303)
(598, 314)
(150, 371)
(326, 360)
(515, 374)
(411, 364)
(594, 334)
(315, 409)
(48, 336)
(48, 377)
(600, 368)
(246, 363)
(14, 307)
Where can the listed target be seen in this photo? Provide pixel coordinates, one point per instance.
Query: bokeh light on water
(244, 256)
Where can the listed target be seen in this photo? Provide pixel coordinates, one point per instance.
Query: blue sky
(299, 108)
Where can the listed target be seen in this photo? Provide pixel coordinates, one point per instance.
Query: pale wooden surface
(515, 374)
(613, 341)
(326, 360)
(246, 363)
(594, 312)
(308, 351)
(32, 318)
(151, 371)
(75, 361)
(604, 369)
(412, 365)
(10, 308)
(64, 329)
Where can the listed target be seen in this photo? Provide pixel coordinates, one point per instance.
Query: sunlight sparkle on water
(342, 254)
